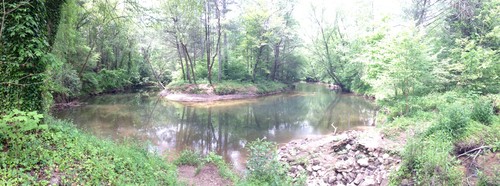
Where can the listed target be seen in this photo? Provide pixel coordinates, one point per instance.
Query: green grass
(442, 127)
(60, 152)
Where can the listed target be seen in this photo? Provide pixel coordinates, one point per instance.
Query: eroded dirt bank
(349, 158)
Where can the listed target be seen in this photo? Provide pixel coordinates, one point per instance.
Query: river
(224, 127)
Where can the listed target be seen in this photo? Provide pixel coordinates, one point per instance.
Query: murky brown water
(224, 127)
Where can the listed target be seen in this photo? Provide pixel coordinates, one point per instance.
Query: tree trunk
(180, 57)
(207, 39)
(276, 60)
(188, 59)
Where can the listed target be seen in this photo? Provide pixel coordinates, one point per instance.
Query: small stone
(385, 156)
(369, 181)
(309, 169)
(352, 175)
(316, 167)
(339, 177)
(339, 183)
(363, 162)
(321, 173)
(358, 179)
(332, 179)
(348, 147)
(405, 182)
(372, 167)
(316, 162)
(315, 174)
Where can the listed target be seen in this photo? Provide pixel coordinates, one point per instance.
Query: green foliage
(18, 126)
(231, 87)
(192, 158)
(23, 59)
(58, 150)
(454, 120)
(189, 157)
(482, 111)
(110, 80)
(263, 165)
(90, 84)
(477, 135)
(264, 87)
(426, 161)
(223, 167)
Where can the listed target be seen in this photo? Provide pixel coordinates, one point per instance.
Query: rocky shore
(350, 158)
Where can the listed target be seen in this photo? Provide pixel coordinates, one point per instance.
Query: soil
(207, 176)
(487, 164)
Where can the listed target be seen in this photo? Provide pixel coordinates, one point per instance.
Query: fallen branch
(478, 148)
(335, 131)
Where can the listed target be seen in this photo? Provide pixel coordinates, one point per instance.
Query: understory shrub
(454, 120)
(263, 165)
(189, 157)
(482, 111)
(426, 161)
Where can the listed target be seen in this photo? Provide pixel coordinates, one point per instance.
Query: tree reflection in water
(221, 127)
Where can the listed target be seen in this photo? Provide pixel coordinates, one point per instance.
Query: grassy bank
(57, 153)
(227, 87)
(446, 134)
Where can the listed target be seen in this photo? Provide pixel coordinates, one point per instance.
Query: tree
(26, 32)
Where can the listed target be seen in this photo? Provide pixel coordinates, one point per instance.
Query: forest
(432, 68)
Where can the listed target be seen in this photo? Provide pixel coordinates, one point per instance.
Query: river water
(224, 127)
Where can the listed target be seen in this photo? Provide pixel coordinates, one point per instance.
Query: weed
(482, 111)
(189, 157)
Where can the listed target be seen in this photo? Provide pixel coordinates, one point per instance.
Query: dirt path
(207, 176)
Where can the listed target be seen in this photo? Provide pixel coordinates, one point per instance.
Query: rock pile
(342, 159)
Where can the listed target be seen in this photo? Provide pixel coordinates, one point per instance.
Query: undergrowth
(442, 127)
(57, 153)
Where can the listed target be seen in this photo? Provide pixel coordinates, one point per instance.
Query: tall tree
(24, 35)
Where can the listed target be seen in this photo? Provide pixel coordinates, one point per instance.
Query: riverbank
(56, 153)
(229, 90)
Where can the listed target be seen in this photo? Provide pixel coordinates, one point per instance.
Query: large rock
(344, 165)
(369, 181)
(364, 162)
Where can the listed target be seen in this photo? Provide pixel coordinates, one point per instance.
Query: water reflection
(221, 127)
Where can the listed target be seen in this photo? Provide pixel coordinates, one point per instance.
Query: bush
(90, 83)
(428, 161)
(482, 111)
(189, 157)
(454, 120)
(231, 87)
(224, 169)
(263, 165)
(264, 87)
